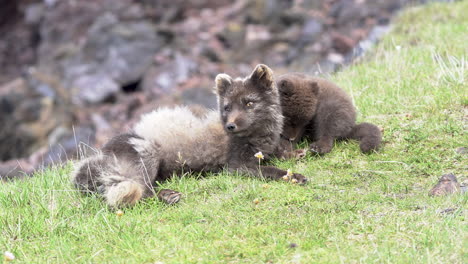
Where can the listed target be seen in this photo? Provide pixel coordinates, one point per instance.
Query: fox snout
(231, 127)
(235, 122)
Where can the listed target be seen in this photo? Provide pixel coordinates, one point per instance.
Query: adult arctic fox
(170, 141)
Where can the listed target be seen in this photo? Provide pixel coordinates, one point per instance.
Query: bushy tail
(125, 193)
(96, 175)
(368, 135)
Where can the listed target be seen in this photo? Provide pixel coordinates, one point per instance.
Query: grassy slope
(357, 208)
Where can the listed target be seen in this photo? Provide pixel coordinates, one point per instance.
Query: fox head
(249, 105)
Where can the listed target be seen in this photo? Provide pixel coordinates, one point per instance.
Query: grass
(357, 208)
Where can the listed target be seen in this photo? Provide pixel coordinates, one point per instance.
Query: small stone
(292, 245)
(461, 150)
(336, 58)
(447, 211)
(342, 43)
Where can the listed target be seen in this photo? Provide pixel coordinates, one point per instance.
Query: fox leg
(323, 145)
(270, 172)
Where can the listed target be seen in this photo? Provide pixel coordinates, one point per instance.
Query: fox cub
(169, 141)
(319, 109)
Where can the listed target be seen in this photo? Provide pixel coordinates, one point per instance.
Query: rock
(15, 143)
(349, 12)
(292, 245)
(447, 184)
(34, 13)
(15, 169)
(233, 35)
(106, 48)
(163, 79)
(311, 30)
(18, 41)
(256, 33)
(28, 114)
(462, 150)
(335, 58)
(199, 96)
(121, 48)
(342, 43)
(94, 88)
(67, 144)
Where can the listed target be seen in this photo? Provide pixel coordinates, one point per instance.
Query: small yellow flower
(119, 213)
(286, 177)
(265, 186)
(259, 155)
(289, 173)
(8, 256)
(256, 201)
(294, 181)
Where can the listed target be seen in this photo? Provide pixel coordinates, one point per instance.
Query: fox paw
(301, 179)
(300, 153)
(294, 154)
(169, 196)
(319, 148)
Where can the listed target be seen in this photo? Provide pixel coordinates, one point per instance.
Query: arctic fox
(322, 111)
(169, 141)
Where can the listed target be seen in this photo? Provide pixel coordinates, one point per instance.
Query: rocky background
(75, 72)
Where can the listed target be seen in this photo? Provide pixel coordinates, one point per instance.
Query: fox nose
(231, 126)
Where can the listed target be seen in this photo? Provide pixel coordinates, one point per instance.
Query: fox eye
(249, 104)
(227, 108)
(284, 93)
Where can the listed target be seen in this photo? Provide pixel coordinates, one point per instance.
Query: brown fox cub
(319, 109)
(170, 141)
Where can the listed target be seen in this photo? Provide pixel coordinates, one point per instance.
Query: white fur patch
(166, 123)
(177, 135)
(172, 127)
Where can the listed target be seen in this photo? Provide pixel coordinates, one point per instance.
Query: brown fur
(322, 111)
(448, 184)
(182, 139)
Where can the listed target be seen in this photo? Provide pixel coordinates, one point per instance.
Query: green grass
(357, 208)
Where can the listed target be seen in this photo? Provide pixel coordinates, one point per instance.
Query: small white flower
(259, 155)
(9, 256)
(398, 47)
(119, 213)
(289, 173)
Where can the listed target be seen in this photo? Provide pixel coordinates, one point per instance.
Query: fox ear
(314, 87)
(223, 84)
(262, 77)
